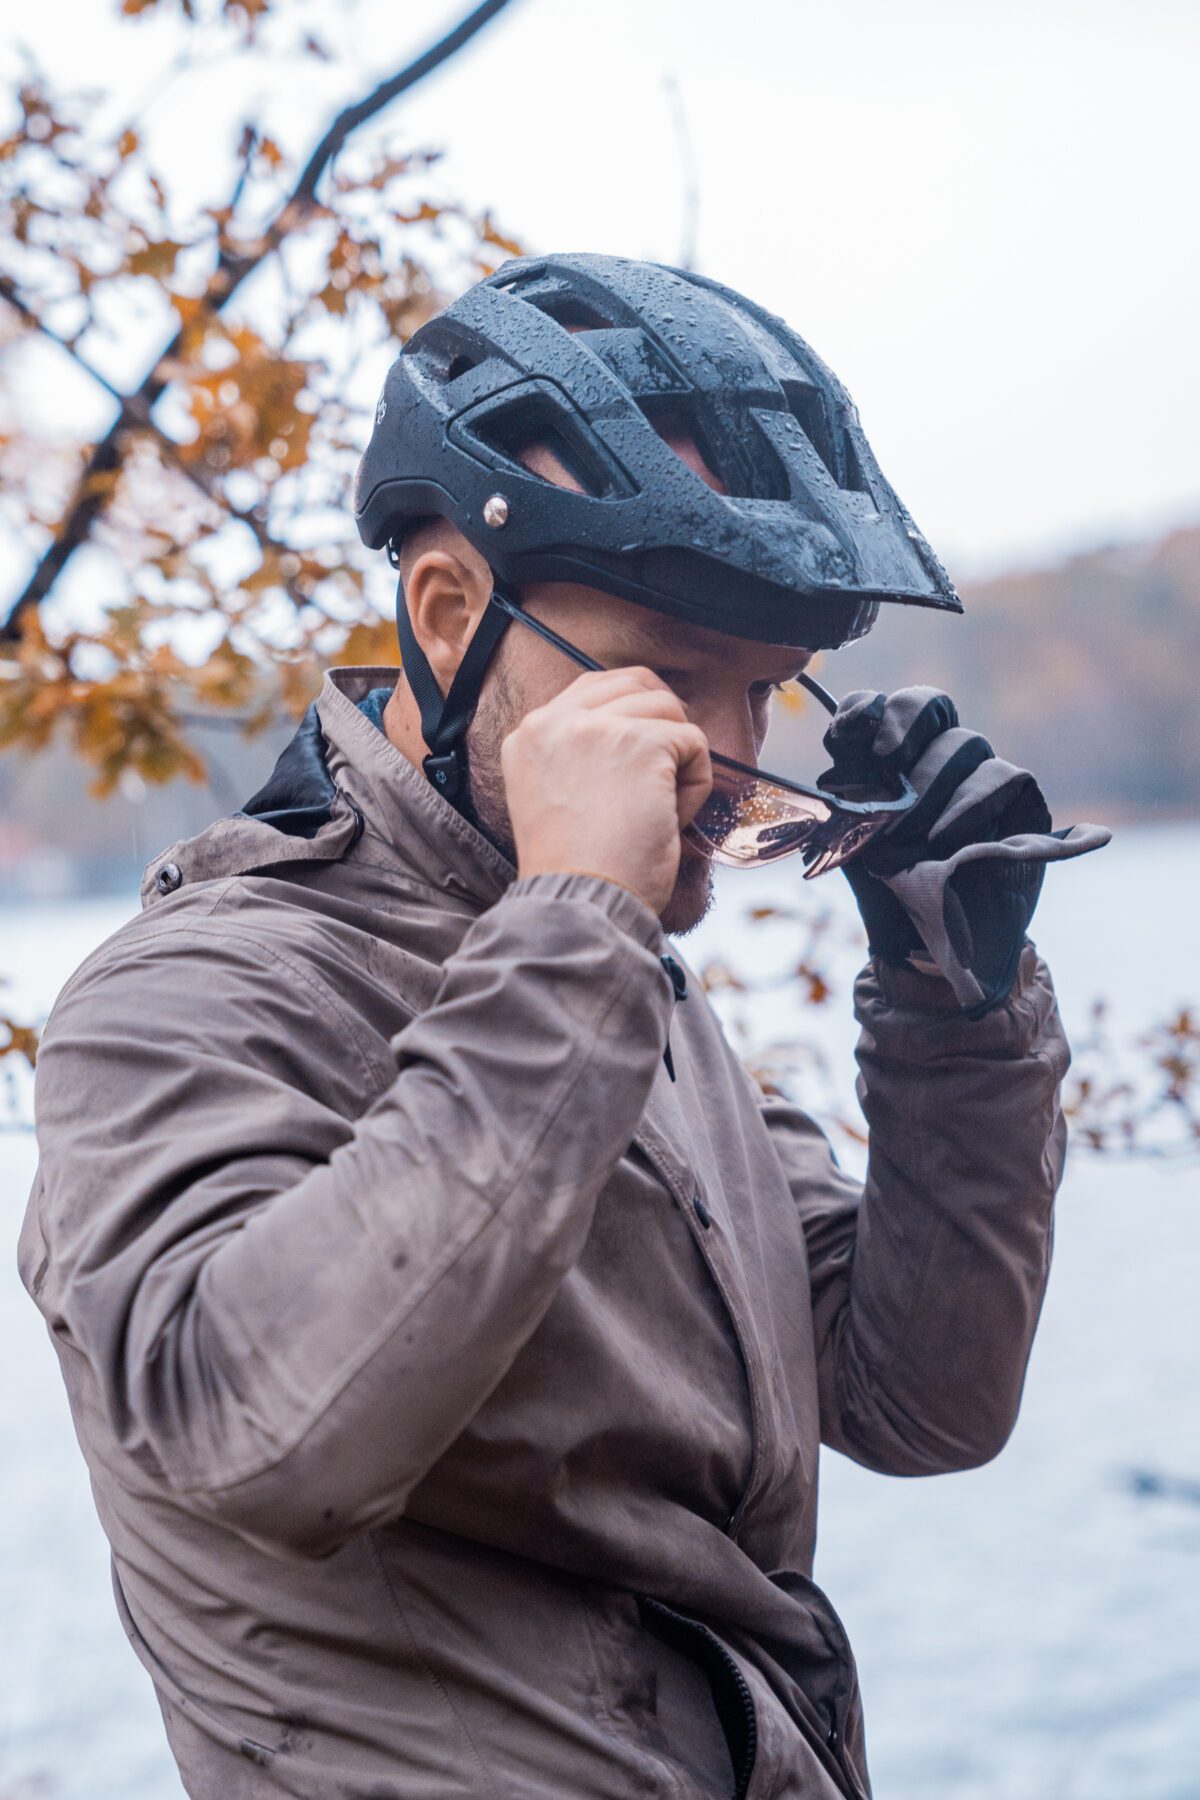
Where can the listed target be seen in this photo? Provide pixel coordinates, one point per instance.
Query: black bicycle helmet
(601, 360)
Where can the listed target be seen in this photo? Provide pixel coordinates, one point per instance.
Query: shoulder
(217, 969)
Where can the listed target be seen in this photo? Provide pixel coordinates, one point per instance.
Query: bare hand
(602, 780)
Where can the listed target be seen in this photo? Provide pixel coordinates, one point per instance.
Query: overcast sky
(981, 212)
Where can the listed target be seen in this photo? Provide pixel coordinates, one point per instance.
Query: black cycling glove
(954, 879)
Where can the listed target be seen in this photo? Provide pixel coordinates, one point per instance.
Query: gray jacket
(451, 1380)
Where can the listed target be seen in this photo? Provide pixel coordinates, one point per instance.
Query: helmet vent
(545, 440)
(568, 310)
(748, 469)
(853, 479)
(807, 406)
(680, 432)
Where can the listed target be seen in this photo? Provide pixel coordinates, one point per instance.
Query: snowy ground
(1030, 1631)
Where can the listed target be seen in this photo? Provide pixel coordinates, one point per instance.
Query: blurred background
(979, 215)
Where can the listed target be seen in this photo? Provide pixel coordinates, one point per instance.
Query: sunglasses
(750, 817)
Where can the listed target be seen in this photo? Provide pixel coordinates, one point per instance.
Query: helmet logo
(381, 409)
(495, 511)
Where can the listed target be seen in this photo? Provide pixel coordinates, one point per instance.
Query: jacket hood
(339, 779)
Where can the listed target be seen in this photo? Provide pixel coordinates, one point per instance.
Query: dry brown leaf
(370, 643)
(156, 259)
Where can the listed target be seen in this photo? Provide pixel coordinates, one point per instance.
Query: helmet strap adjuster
(448, 771)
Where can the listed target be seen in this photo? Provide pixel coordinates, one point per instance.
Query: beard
(495, 716)
(692, 896)
(500, 711)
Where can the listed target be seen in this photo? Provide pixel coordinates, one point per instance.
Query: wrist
(923, 964)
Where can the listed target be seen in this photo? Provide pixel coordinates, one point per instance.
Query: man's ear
(446, 592)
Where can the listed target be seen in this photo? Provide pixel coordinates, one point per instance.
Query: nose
(729, 723)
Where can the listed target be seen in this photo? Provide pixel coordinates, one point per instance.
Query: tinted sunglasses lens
(743, 823)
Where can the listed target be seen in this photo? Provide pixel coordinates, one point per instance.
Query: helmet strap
(444, 719)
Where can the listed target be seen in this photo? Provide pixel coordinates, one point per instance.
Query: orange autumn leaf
(157, 259)
(18, 1040)
(371, 643)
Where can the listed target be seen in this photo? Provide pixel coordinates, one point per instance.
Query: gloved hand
(957, 876)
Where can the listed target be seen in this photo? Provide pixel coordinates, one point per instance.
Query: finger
(693, 769)
(997, 801)
(1031, 847)
(851, 734)
(596, 686)
(873, 734)
(628, 700)
(645, 703)
(912, 718)
(950, 761)
(858, 715)
(1077, 840)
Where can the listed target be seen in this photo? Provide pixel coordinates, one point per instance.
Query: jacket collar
(398, 805)
(337, 781)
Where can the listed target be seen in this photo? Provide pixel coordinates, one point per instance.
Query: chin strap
(444, 718)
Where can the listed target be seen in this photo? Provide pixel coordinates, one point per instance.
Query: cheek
(512, 687)
(531, 672)
(736, 726)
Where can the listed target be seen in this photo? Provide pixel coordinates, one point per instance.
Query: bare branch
(196, 474)
(352, 117)
(233, 267)
(19, 305)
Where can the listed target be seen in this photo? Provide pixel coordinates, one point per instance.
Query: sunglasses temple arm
(509, 606)
(818, 692)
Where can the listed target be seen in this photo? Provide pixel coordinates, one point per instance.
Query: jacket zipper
(835, 1739)
(679, 983)
(743, 1745)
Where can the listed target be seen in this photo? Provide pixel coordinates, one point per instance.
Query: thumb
(1077, 840)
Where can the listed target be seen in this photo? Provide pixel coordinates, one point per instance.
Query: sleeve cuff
(917, 1018)
(625, 908)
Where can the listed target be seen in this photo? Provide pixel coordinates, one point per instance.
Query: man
(449, 1323)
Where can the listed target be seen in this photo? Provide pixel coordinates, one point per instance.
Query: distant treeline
(1088, 673)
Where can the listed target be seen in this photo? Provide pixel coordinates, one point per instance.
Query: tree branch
(352, 117)
(20, 305)
(233, 267)
(268, 544)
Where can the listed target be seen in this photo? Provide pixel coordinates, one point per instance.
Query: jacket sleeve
(927, 1281)
(291, 1312)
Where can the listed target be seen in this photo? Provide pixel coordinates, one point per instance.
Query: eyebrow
(663, 657)
(652, 653)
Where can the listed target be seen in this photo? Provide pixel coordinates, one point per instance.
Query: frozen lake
(1029, 1631)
